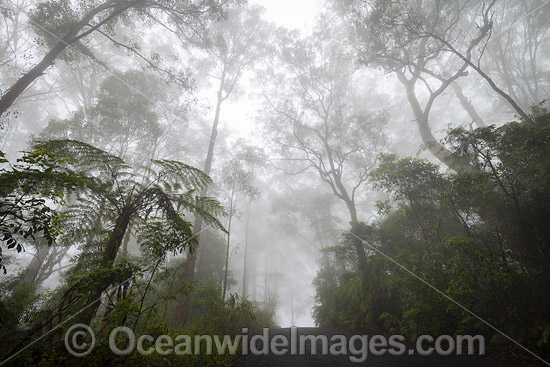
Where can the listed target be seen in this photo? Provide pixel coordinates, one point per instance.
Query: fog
(236, 153)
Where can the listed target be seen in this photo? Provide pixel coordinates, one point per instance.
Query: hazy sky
(292, 14)
(299, 14)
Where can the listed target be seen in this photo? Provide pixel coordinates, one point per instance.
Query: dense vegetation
(477, 239)
(192, 166)
(105, 200)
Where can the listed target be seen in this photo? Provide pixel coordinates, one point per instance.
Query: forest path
(386, 360)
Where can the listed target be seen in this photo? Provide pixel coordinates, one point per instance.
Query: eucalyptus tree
(16, 49)
(63, 27)
(47, 261)
(429, 46)
(252, 159)
(447, 42)
(239, 183)
(315, 124)
(515, 56)
(231, 47)
(15, 41)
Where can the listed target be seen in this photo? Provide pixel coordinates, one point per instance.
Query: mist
(201, 167)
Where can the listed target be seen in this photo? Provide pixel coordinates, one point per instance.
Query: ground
(372, 361)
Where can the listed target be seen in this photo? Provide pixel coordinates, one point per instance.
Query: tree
(241, 177)
(123, 120)
(210, 257)
(62, 25)
(514, 56)
(232, 46)
(305, 209)
(467, 57)
(239, 182)
(477, 237)
(429, 48)
(512, 159)
(15, 41)
(314, 122)
(117, 197)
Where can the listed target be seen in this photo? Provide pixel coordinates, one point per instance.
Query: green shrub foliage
(480, 236)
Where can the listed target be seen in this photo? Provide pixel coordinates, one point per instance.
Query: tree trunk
(227, 247)
(109, 255)
(467, 105)
(33, 270)
(502, 93)
(487, 78)
(182, 307)
(340, 191)
(245, 291)
(253, 275)
(357, 242)
(68, 39)
(421, 117)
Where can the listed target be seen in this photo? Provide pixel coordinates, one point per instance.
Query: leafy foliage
(123, 120)
(29, 190)
(479, 237)
(114, 199)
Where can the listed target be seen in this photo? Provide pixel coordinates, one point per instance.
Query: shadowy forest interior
(196, 167)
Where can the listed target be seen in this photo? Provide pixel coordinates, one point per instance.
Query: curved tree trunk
(71, 37)
(422, 121)
(467, 105)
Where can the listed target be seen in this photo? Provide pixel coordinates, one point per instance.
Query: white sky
(293, 14)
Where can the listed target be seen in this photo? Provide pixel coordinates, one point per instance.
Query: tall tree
(232, 46)
(239, 184)
(429, 46)
(63, 25)
(311, 119)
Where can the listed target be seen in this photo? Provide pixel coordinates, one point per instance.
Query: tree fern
(118, 197)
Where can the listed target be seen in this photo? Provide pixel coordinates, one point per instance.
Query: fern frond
(84, 157)
(178, 173)
(208, 208)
